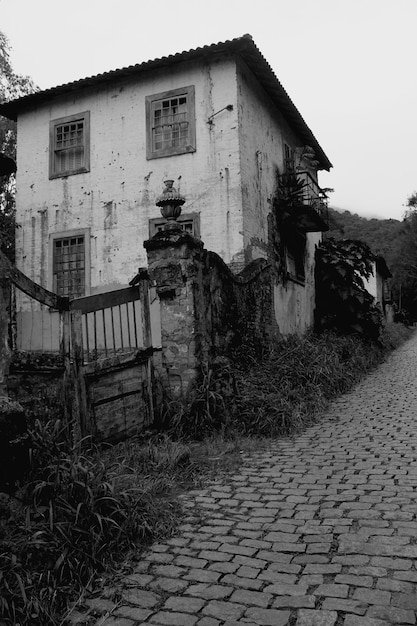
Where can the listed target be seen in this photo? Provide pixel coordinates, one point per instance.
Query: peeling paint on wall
(110, 214)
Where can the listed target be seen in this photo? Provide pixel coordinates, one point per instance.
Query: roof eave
(242, 46)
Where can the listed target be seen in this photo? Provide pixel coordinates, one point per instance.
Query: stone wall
(206, 311)
(37, 382)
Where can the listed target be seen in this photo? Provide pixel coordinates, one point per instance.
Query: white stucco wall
(116, 199)
(375, 285)
(263, 133)
(371, 284)
(294, 303)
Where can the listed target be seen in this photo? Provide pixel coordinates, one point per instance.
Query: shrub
(208, 406)
(342, 303)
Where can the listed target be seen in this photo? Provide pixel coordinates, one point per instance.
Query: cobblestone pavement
(320, 530)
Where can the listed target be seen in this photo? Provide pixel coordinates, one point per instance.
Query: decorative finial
(170, 203)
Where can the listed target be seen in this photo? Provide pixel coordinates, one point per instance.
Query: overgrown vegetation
(83, 508)
(208, 407)
(78, 515)
(12, 85)
(343, 304)
(285, 390)
(395, 240)
(299, 377)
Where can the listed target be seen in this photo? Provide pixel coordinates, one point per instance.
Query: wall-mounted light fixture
(229, 107)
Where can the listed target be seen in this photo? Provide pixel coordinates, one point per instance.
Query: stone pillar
(175, 266)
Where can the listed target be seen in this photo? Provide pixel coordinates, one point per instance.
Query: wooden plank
(117, 361)
(146, 312)
(66, 333)
(30, 288)
(99, 301)
(68, 390)
(147, 343)
(82, 425)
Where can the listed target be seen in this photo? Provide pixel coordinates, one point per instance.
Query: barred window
(69, 266)
(70, 145)
(170, 121)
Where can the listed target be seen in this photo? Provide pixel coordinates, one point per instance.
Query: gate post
(175, 266)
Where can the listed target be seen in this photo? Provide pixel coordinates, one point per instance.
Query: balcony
(314, 196)
(304, 204)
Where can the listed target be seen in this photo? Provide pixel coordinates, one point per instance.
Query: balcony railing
(314, 196)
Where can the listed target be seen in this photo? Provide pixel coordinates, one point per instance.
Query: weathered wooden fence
(103, 347)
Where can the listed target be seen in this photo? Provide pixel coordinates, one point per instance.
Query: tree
(342, 302)
(12, 86)
(405, 265)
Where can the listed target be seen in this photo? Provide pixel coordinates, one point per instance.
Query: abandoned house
(93, 155)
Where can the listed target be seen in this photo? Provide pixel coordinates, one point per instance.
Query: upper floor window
(69, 145)
(170, 123)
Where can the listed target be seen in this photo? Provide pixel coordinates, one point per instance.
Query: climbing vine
(288, 198)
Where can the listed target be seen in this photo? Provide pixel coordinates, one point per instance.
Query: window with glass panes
(170, 123)
(70, 145)
(69, 266)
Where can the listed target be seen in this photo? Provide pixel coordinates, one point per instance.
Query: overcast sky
(348, 65)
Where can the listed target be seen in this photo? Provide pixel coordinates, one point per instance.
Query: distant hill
(382, 236)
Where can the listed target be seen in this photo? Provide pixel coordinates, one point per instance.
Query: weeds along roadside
(282, 392)
(83, 508)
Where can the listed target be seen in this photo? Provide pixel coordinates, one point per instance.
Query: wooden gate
(112, 352)
(105, 343)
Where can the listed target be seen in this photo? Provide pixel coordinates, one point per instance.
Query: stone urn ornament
(170, 203)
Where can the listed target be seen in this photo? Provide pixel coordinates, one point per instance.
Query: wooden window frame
(67, 234)
(150, 101)
(157, 222)
(53, 173)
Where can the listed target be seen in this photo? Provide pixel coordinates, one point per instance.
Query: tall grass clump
(208, 406)
(294, 383)
(79, 513)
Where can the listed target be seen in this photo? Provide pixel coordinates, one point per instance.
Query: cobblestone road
(316, 531)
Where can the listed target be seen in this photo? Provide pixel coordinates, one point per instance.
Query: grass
(81, 510)
(282, 392)
(84, 508)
